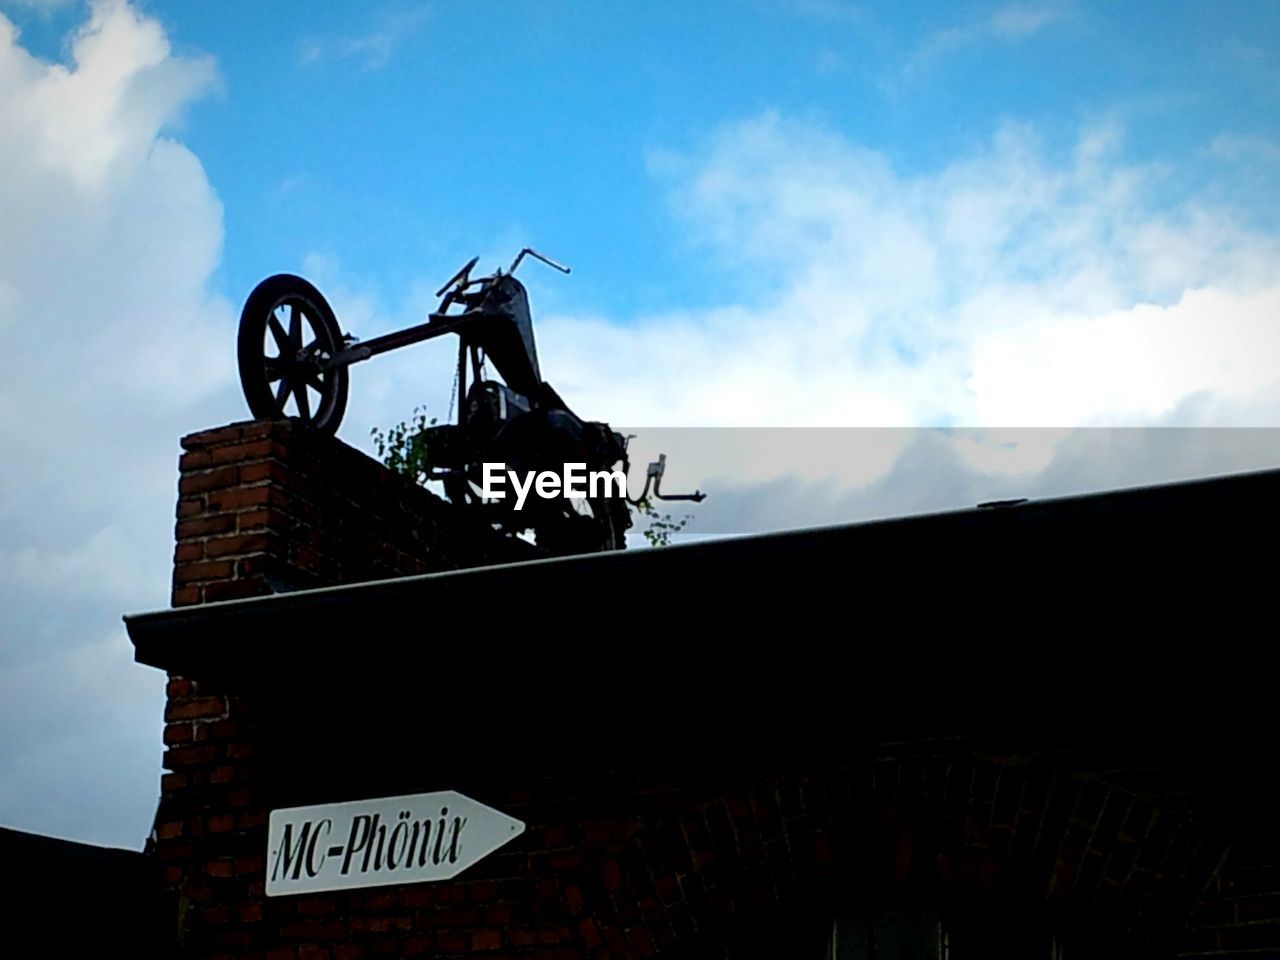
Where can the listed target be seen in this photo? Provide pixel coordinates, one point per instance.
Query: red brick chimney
(270, 506)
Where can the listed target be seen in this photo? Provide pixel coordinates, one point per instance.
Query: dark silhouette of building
(1037, 730)
(74, 899)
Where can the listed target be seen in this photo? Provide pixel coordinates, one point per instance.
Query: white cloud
(1240, 147)
(1017, 20)
(933, 470)
(113, 348)
(1134, 365)
(1007, 289)
(829, 63)
(375, 47)
(1007, 24)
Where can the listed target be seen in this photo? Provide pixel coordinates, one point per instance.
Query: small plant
(403, 448)
(662, 526)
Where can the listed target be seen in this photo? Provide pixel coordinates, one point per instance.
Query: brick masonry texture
(643, 861)
(267, 506)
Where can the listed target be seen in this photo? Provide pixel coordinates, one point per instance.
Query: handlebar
(462, 279)
(459, 278)
(534, 253)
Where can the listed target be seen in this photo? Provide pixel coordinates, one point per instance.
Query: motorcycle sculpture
(293, 362)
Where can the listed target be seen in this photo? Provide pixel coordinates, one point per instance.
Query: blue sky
(397, 138)
(802, 213)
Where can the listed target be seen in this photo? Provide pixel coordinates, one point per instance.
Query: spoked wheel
(288, 336)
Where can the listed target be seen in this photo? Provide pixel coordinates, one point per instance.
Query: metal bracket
(654, 476)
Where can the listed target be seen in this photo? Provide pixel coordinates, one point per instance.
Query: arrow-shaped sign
(370, 843)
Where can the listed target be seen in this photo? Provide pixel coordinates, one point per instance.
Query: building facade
(1040, 730)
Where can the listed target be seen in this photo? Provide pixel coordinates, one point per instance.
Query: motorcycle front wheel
(288, 333)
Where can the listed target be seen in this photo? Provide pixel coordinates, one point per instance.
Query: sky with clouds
(1046, 217)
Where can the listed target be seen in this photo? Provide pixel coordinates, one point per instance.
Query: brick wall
(633, 858)
(1240, 915)
(266, 506)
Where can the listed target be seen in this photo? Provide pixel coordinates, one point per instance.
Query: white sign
(370, 843)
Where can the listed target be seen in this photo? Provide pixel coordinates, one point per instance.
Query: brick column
(264, 507)
(267, 506)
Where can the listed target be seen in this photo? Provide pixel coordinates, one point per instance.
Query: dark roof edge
(147, 628)
(13, 840)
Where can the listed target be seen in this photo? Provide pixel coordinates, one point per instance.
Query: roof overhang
(1106, 592)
